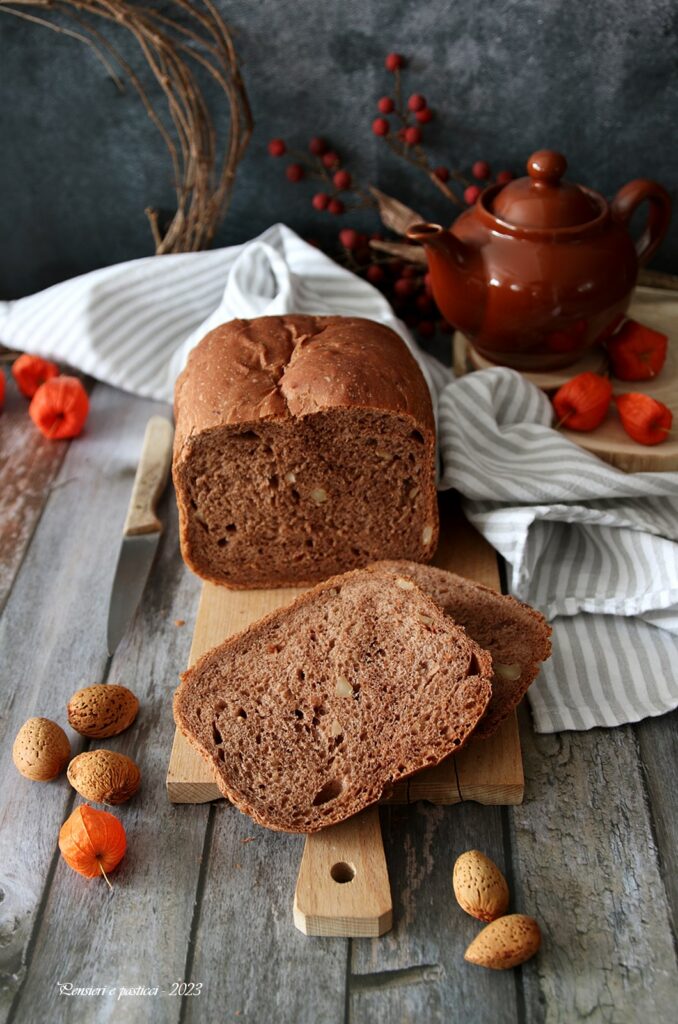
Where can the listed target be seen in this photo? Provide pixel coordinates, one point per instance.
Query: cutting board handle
(343, 887)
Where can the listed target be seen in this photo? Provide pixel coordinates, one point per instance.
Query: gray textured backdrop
(79, 162)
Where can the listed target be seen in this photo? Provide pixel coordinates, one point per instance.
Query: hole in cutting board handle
(342, 872)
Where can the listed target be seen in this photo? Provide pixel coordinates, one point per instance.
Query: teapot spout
(440, 241)
(452, 265)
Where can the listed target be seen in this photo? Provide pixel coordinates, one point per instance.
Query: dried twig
(203, 163)
(401, 251)
(394, 214)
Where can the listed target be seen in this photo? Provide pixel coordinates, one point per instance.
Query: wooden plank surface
(588, 870)
(28, 467)
(591, 851)
(255, 965)
(54, 629)
(657, 740)
(417, 972)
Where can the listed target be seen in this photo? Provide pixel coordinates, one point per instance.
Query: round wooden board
(658, 309)
(594, 361)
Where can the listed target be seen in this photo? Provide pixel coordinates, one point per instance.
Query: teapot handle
(631, 196)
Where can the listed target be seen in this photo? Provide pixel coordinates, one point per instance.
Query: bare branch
(203, 162)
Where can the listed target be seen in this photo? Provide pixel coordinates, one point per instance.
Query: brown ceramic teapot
(539, 270)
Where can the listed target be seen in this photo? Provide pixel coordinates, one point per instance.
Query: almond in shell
(102, 710)
(41, 749)
(104, 776)
(505, 943)
(479, 886)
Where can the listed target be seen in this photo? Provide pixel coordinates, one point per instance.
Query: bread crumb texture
(310, 713)
(517, 636)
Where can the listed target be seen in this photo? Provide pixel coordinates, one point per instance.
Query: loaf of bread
(517, 636)
(311, 712)
(304, 447)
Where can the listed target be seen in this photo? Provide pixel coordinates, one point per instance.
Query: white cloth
(595, 549)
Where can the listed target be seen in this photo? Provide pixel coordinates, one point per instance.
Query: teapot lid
(542, 200)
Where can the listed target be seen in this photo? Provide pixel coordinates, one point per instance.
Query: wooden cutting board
(343, 881)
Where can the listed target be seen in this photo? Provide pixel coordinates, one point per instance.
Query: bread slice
(305, 447)
(311, 712)
(517, 636)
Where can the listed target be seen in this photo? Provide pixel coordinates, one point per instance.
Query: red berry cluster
(400, 124)
(408, 136)
(324, 164)
(410, 116)
(405, 139)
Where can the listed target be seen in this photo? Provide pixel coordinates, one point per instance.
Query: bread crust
(273, 367)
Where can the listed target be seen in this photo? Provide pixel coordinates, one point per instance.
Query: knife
(142, 530)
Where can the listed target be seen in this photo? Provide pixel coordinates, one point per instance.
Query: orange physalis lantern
(59, 407)
(643, 418)
(92, 842)
(30, 372)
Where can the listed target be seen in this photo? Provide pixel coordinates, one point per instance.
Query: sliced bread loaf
(305, 447)
(311, 712)
(517, 636)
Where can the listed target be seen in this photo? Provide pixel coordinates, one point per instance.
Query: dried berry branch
(203, 162)
(399, 270)
(403, 134)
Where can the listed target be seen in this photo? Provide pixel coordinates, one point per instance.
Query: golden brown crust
(278, 366)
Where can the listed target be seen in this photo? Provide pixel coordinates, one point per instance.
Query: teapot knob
(547, 166)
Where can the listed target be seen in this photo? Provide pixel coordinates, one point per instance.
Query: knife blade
(142, 530)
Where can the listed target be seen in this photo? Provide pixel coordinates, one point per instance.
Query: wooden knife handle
(150, 479)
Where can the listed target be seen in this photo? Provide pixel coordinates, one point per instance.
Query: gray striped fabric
(595, 549)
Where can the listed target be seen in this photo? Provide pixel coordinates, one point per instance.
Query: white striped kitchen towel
(595, 549)
(133, 324)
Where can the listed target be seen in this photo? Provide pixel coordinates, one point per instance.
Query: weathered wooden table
(591, 852)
